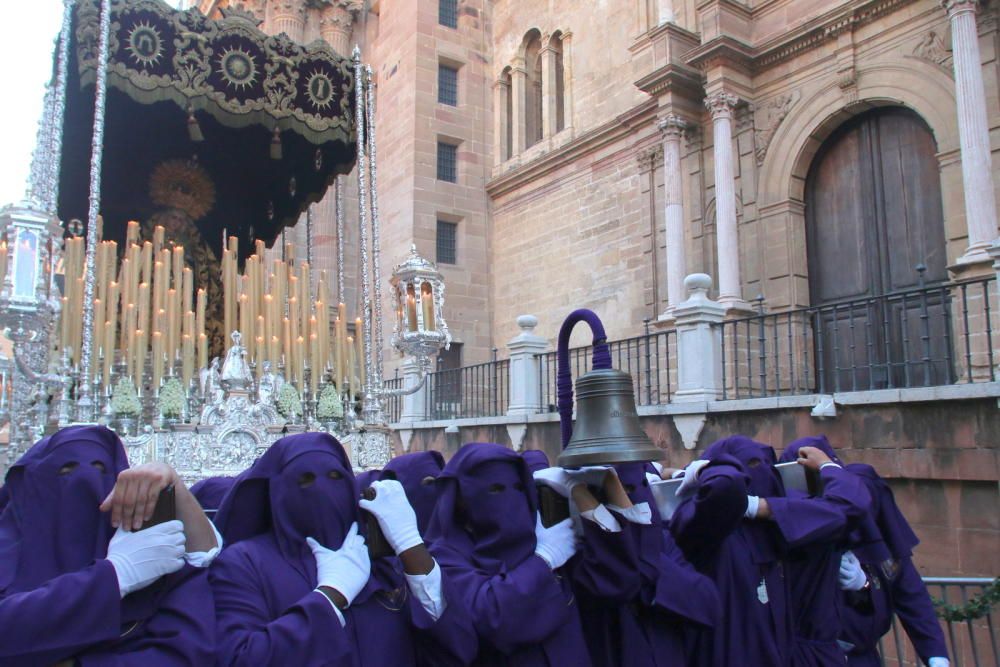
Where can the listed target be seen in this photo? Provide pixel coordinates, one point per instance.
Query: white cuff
(205, 558)
(753, 504)
(651, 478)
(603, 518)
(658, 466)
(830, 463)
(640, 514)
(427, 588)
(938, 662)
(340, 615)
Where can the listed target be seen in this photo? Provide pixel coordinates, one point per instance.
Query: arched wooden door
(873, 219)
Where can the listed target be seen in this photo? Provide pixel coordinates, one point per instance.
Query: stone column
(666, 11)
(415, 404)
(519, 79)
(567, 58)
(973, 131)
(500, 91)
(549, 113)
(672, 128)
(525, 398)
(335, 25)
(721, 106)
(699, 343)
(289, 17)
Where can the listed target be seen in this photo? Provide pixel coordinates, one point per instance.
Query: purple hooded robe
(365, 479)
(482, 532)
(418, 473)
(884, 544)
(209, 492)
(639, 598)
(816, 530)
(536, 460)
(59, 597)
(268, 610)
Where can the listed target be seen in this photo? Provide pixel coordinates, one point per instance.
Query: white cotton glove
(395, 515)
(753, 504)
(345, 570)
(938, 662)
(557, 479)
(852, 576)
(555, 545)
(142, 557)
(690, 482)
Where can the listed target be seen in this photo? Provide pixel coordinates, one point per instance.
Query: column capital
(955, 7)
(290, 8)
(721, 104)
(672, 126)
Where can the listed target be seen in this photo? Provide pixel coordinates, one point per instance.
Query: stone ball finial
(527, 322)
(698, 282)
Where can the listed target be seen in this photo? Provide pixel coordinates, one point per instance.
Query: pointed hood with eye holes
(486, 508)
(758, 462)
(52, 523)
(302, 486)
(418, 473)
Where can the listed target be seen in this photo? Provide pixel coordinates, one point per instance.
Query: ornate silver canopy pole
(370, 402)
(309, 234)
(377, 341)
(85, 404)
(340, 239)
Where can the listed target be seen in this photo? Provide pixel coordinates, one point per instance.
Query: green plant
(172, 399)
(330, 406)
(289, 402)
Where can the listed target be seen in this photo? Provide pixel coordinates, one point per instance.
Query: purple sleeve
(451, 639)
(701, 523)
(72, 610)
(510, 610)
(307, 633)
(685, 592)
(915, 610)
(181, 632)
(805, 521)
(606, 564)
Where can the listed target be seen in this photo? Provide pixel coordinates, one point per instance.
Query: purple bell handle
(564, 375)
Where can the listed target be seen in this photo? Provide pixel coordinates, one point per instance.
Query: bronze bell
(607, 425)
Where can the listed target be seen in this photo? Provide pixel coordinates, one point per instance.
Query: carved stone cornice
(673, 78)
(722, 50)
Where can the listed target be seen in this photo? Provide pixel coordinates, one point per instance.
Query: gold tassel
(276, 153)
(194, 129)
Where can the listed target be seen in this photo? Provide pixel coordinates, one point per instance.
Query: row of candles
(147, 309)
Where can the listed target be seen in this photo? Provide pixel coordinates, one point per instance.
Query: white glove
(938, 662)
(555, 545)
(591, 475)
(345, 570)
(558, 480)
(395, 515)
(753, 504)
(851, 576)
(142, 557)
(690, 482)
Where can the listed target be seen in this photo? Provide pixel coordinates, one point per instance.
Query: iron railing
(650, 359)
(924, 337)
(393, 404)
(971, 643)
(482, 390)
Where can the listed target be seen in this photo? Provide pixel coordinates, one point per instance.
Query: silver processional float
(198, 344)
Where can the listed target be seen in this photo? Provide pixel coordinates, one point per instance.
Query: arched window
(533, 88)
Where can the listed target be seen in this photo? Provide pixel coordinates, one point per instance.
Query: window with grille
(447, 233)
(447, 85)
(448, 13)
(447, 162)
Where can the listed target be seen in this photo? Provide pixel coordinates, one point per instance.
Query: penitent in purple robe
(815, 531)
(365, 479)
(742, 557)
(640, 600)
(884, 545)
(268, 610)
(482, 533)
(210, 492)
(59, 597)
(417, 473)
(536, 459)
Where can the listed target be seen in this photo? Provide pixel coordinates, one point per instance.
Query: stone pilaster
(672, 128)
(549, 91)
(665, 9)
(519, 79)
(501, 89)
(289, 17)
(721, 106)
(973, 131)
(336, 23)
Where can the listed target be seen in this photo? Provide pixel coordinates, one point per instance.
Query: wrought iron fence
(650, 359)
(482, 390)
(924, 337)
(971, 643)
(393, 404)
